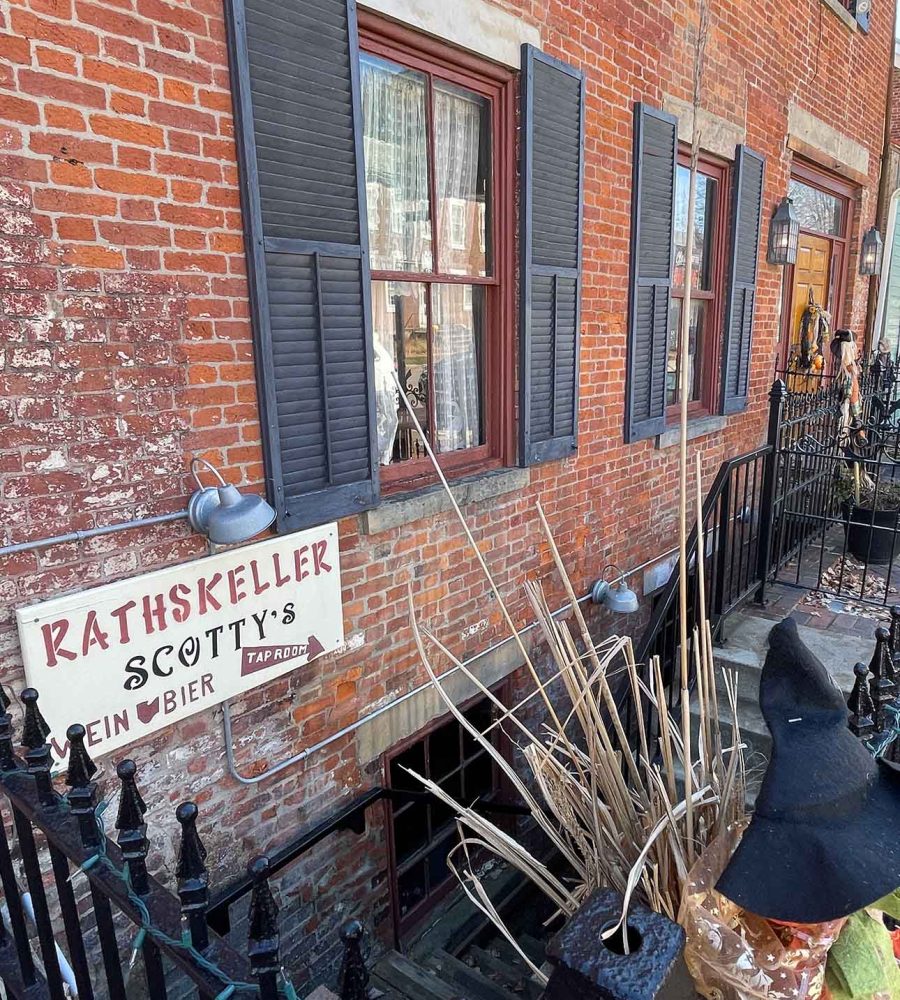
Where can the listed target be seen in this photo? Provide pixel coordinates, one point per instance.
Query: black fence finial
(884, 687)
(263, 937)
(862, 708)
(38, 757)
(193, 877)
(353, 983)
(83, 794)
(132, 837)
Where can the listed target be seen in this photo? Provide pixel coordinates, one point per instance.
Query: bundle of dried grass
(613, 803)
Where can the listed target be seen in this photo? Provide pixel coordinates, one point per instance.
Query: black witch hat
(824, 840)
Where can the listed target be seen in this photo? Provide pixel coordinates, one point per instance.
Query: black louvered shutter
(550, 255)
(749, 168)
(650, 274)
(295, 81)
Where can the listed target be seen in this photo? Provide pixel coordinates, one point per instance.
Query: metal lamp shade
(784, 234)
(870, 253)
(226, 516)
(618, 598)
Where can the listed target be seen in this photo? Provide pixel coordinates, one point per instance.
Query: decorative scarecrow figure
(843, 350)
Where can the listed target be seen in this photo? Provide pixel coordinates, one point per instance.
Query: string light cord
(146, 927)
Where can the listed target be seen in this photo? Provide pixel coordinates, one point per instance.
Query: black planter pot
(871, 540)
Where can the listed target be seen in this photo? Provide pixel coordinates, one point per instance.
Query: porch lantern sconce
(223, 513)
(870, 252)
(616, 596)
(784, 233)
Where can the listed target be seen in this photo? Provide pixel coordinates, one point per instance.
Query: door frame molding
(848, 194)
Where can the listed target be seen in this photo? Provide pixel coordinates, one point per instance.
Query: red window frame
(380, 37)
(711, 353)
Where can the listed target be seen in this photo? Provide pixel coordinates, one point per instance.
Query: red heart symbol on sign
(146, 710)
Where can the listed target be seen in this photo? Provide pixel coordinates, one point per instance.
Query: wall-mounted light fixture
(223, 513)
(870, 252)
(616, 595)
(784, 233)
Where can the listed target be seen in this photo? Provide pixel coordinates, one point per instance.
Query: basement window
(423, 830)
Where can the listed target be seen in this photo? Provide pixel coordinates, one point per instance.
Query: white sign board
(132, 657)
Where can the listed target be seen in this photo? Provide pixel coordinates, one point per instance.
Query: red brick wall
(126, 347)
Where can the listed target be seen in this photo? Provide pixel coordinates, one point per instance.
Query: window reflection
(695, 349)
(400, 328)
(462, 159)
(817, 210)
(458, 335)
(704, 214)
(396, 162)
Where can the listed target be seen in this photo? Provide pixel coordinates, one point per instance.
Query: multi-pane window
(705, 281)
(424, 830)
(818, 211)
(427, 145)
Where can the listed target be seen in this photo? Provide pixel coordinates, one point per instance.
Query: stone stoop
(743, 653)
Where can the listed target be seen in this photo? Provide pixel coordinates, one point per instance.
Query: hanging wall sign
(132, 657)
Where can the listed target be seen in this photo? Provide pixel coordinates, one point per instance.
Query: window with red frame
(431, 133)
(707, 292)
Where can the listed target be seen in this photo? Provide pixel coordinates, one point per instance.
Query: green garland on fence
(230, 986)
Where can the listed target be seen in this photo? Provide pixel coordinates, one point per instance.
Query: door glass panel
(400, 327)
(396, 162)
(458, 322)
(695, 350)
(704, 228)
(462, 157)
(817, 210)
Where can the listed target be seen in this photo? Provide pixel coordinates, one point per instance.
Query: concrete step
(746, 644)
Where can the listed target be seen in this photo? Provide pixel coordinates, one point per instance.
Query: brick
(74, 203)
(70, 174)
(76, 229)
(113, 22)
(94, 257)
(65, 36)
(53, 59)
(129, 183)
(18, 109)
(57, 116)
(167, 64)
(136, 133)
(121, 77)
(15, 49)
(64, 146)
(46, 85)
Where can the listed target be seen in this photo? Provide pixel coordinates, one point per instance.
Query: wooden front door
(812, 271)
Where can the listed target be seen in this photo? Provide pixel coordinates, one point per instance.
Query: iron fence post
(264, 940)
(353, 983)
(193, 877)
(777, 396)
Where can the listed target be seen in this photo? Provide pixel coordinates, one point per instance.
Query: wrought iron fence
(874, 702)
(837, 490)
(123, 910)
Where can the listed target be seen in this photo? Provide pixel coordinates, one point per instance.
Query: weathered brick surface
(125, 346)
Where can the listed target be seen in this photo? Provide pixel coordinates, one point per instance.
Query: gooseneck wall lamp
(223, 513)
(615, 595)
(870, 252)
(784, 234)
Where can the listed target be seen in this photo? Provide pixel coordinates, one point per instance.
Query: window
(423, 831)
(415, 138)
(429, 148)
(706, 283)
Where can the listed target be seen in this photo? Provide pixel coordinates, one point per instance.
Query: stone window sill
(699, 427)
(842, 12)
(433, 500)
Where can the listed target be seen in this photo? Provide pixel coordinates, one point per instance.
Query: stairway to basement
(742, 650)
(462, 957)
